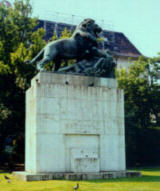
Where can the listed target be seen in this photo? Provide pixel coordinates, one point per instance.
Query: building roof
(119, 43)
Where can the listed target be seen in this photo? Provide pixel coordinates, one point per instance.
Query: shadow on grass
(5, 172)
(144, 178)
(2, 171)
(146, 169)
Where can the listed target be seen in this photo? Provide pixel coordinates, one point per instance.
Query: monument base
(75, 176)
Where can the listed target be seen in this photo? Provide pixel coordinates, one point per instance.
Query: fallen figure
(95, 66)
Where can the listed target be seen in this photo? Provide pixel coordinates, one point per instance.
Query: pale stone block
(121, 158)
(84, 160)
(50, 153)
(30, 131)
(74, 124)
(82, 141)
(81, 127)
(83, 144)
(52, 91)
(76, 176)
(47, 124)
(110, 152)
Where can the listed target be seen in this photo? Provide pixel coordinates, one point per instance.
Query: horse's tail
(36, 58)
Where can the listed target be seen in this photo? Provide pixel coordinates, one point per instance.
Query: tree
(18, 43)
(66, 33)
(142, 109)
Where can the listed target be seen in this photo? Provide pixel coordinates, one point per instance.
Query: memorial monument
(75, 116)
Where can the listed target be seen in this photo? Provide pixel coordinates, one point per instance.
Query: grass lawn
(150, 181)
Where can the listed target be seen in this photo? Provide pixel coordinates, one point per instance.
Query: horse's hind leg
(41, 63)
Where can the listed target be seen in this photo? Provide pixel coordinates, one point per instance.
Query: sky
(139, 20)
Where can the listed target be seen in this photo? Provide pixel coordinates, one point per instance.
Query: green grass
(150, 181)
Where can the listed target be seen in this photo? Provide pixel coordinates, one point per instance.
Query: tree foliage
(142, 109)
(19, 41)
(66, 33)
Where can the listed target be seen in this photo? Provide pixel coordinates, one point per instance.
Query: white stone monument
(74, 128)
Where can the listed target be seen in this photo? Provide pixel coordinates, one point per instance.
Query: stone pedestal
(74, 125)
